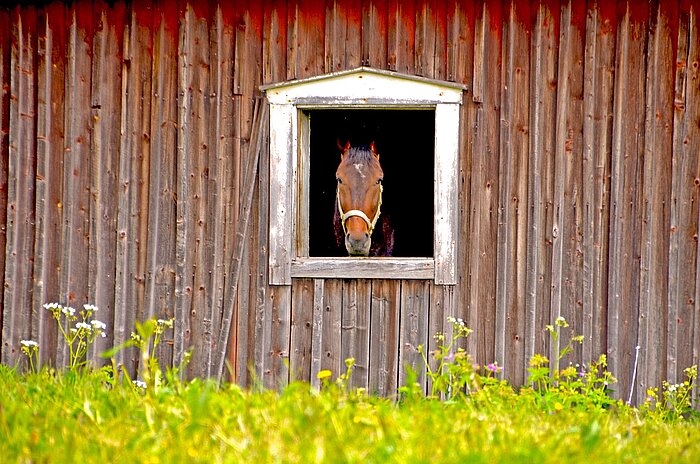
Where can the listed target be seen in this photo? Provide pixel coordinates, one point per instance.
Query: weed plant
(471, 415)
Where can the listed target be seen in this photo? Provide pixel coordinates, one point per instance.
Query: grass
(562, 415)
(72, 417)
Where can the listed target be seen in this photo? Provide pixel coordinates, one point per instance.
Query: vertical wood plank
(335, 37)
(460, 60)
(413, 331)
(484, 185)
(626, 177)
(543, 76)
(106, 120)
(49, 178)
(280, 320)
(317, 332)
(684, 259)
(302, 325)
(308, 40)
(656, 196)
(567, 264)
(274, 42)
(186, 149)
(357, 299)
(5, 47)
(159, 296)
(384, 337)
(512, 217)
(16, 323)
(331, 327)
(133, 172)
(374, 33)
(401, 37)
(597, 144)
(221, 40)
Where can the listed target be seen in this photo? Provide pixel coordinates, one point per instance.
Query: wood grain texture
(656, 196)
(105, 125)
(21, 172)
(541, 162)
(512, 209)
(355, 324)
(413, 329)
(598, 88)
(49, 181)
(626, 178)
(567, 262)
(384, 337)
(159, 294)
(485, 178)
(132, 174)
(128, 132)
(302, 328)
(684, 261)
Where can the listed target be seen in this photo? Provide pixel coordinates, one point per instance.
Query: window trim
(364, 88)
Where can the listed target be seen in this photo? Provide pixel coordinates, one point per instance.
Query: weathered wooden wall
(126, 130)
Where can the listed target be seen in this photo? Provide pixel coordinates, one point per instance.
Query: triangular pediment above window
(365, 86)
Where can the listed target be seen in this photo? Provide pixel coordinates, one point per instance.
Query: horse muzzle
(358, 246)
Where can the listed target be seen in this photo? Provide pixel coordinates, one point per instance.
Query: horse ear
(373, 149)
(343, 150)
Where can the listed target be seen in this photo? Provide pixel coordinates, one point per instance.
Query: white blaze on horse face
(359, 166)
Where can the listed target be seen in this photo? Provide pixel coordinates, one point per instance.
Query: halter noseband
(356, 212)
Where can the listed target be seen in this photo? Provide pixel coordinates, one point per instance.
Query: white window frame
(362, 88)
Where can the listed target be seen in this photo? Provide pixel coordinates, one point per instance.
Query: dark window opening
(405, 141)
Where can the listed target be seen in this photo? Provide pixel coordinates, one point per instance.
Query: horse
(359, 191)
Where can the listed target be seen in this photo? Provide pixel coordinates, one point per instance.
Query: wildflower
(29, 343)
(494, 367)
(51, 306)
(83, 325)
(98, 324)
(103, 335)
(90, 307)
(139, 383)
(324, 374)
(68, 311)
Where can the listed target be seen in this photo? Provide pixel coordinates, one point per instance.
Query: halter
(356, 212)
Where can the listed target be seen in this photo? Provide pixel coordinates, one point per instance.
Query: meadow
(470, 415)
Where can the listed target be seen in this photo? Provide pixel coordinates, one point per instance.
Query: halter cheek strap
(344, 216)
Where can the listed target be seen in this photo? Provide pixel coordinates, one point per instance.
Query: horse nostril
(366, 234)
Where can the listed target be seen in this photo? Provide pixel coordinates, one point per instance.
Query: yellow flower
(324, 374)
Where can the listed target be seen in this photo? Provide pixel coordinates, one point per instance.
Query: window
(415, 124)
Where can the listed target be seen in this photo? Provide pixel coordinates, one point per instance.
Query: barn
(176, 159)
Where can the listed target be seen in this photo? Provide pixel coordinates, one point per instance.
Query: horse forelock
(360, 154)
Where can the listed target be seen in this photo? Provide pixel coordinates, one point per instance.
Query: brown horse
(359, 201)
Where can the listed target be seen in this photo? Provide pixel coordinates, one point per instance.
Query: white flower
(98, 324)
(103, 335)
(139, 383)
(68, 311)
(51, 306)
(90, 307)
(29, 343)
(82, 325)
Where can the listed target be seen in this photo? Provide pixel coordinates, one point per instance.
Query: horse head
(359, 196)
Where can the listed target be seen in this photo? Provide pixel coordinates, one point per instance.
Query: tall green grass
(470, 415)
(74, 417)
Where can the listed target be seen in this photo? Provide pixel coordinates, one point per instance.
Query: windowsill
(364, 268)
